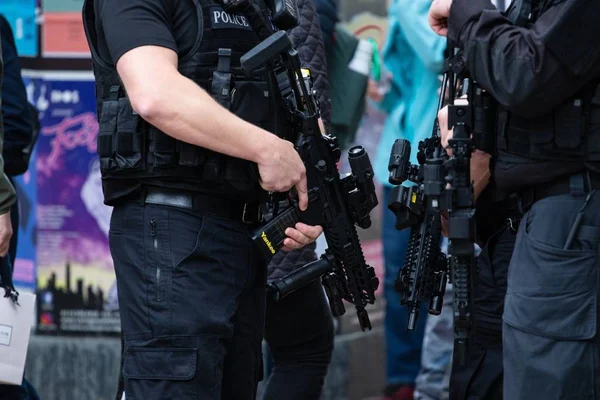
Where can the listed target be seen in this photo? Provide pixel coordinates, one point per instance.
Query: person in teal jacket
(414, 56)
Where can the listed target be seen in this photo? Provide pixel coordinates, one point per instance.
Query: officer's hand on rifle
(281, 169)
(301, 236)
(438, 16)
(480, 160)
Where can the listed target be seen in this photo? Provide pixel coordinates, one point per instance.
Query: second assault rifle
(441, 184)
(336, 203)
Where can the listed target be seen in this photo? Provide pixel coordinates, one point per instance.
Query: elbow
(148, 106)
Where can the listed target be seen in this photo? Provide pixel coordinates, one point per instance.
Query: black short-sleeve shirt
(123, 25)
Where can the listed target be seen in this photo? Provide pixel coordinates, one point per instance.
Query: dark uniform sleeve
(529, 71)
(18, 129)
(134, 23)
(308, 39)
(7, 191)
(328, 17)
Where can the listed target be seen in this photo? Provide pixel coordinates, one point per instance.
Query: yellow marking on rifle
(267, 242)
(414, 198)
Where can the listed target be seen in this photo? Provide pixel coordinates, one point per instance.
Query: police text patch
(220, 19)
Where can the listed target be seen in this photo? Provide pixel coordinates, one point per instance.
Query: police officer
(544, 73)
(186, 155)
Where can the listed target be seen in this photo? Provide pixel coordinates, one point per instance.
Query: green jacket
(7, 191)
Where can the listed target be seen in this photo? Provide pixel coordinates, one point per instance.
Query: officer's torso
(210, 43)
(533, 151)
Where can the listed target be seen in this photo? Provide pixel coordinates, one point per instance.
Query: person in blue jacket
(414, 56)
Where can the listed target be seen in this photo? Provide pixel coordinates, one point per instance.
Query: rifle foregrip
(299, 278)
(270, 237)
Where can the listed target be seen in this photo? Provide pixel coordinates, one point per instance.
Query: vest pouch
(129, 140)
(190, 155)
(162, 149)
(529, 136)
(106, 132)
(569, 125)
(249, 101)
(540, 132)
(120, 141)
(593, 136)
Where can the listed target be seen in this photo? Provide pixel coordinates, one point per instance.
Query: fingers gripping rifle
(336, 203)
(443, 184)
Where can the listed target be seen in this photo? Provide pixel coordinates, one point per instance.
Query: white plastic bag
(15, 329)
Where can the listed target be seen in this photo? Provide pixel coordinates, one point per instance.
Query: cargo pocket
(551, 309)
(564, 316)
(161, 373)
(550, 316)
(552, 292)
(120, 142)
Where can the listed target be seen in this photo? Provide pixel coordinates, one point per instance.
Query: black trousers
(481, 376)
(300, 334)
(299, 331)
(192, 298)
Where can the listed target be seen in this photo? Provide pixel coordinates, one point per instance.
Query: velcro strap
(224, 64)
(211, 59)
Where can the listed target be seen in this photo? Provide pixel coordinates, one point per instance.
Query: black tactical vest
(131, 149)
(571, 133)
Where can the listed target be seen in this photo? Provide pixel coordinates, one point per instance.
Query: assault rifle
(336, 203)
(441, 184)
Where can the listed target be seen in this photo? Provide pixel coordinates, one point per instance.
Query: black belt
(589, 181)
(246, 212)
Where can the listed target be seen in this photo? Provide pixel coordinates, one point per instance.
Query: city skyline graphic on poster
(72, 234)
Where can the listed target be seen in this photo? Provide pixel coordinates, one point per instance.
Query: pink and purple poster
(75, 277)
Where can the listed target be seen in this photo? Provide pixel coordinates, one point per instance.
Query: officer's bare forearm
(191, 115)
(181, 109)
